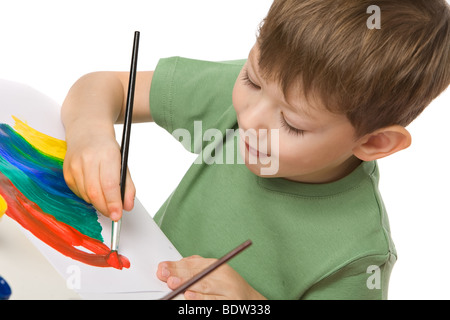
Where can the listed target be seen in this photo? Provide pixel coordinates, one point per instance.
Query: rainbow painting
(33, 192)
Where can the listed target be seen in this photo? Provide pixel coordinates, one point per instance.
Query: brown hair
(376, 77)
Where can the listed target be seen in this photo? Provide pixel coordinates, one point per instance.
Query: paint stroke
(3, 206)
(56, 234)
(33, 192)
(40, 178)
(44, 143)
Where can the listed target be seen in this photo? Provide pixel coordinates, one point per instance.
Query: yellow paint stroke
(44, 143)
(3, 206)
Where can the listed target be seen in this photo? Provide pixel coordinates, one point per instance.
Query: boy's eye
(291, 129)
(248, 81)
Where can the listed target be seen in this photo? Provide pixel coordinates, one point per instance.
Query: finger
(167, 269)
(110, 185)
(188, 267)
(177, 272)
(130, 193)
(209, 285)
(71, 175)
(216, 283)
(80, 186)
(162, 273)
(194, 257)
(174, 282)
(70, 182)
(202, 290)
(192, 295)
(92, 188)
(178, 269)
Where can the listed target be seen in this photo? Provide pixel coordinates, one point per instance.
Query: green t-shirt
(310, 241)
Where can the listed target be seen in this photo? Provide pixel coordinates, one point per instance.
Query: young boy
(322, 96)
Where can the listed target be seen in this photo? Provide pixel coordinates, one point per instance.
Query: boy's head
(320, 59)
(376, 77)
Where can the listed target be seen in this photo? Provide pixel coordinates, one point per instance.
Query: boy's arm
(92, 163)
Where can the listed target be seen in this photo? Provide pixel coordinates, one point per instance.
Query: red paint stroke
(56, 234)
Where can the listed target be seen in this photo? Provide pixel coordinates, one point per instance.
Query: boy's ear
(382, 142)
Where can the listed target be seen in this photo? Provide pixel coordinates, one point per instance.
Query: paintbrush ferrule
(115, 235)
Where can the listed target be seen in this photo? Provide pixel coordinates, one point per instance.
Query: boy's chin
(263, 171)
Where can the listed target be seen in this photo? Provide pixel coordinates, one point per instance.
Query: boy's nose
(256, 116)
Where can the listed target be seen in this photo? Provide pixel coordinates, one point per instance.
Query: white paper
(141, 240)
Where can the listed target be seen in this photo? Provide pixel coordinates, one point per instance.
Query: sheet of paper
(22, 101)
(141, 240)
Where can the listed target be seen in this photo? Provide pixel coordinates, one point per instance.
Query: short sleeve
(186, 91)
(363, 279)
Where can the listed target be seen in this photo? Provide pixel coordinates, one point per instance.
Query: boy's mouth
(255, 152)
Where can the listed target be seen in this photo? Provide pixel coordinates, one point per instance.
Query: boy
(321, 97)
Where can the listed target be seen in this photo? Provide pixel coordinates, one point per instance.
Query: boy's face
(311, 145)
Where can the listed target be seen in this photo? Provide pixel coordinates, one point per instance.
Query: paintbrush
(116, 225)
(206, 271)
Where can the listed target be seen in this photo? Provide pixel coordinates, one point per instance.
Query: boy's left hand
(222, 284)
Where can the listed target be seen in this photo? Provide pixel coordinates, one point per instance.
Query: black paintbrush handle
(128, 115)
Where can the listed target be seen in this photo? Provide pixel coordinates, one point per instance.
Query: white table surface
(26, 270)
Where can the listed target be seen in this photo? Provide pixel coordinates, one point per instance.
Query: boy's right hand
(93, 161)
(92, 171)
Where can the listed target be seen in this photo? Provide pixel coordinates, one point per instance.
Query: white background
(49, 44)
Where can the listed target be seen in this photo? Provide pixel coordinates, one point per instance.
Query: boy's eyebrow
(300, 109)
(303, 108)
(252, 58)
